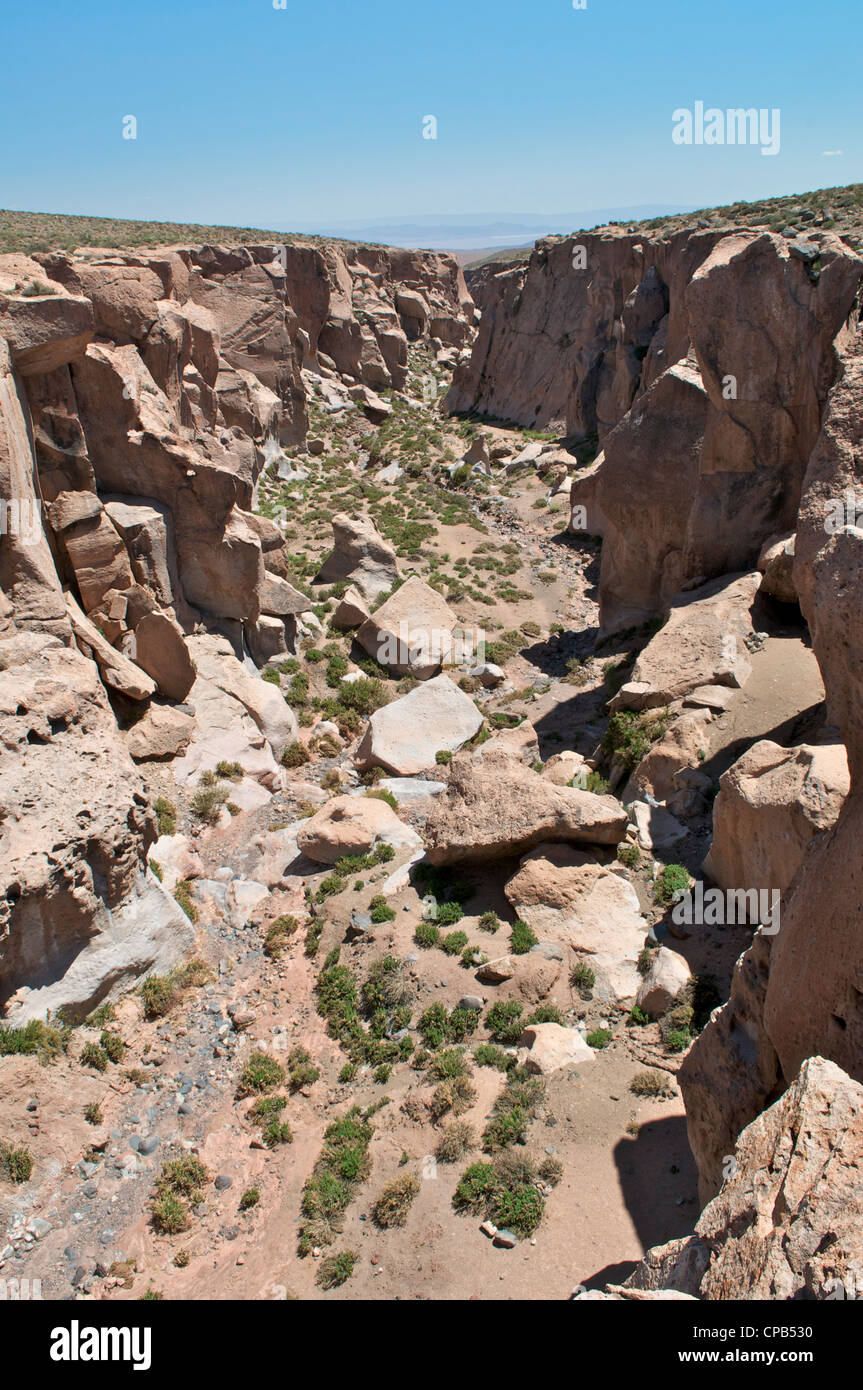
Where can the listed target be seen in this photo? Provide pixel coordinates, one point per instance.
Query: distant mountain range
(487, 230)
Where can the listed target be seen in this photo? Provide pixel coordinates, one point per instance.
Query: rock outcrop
(787, 1222)
(495, 806)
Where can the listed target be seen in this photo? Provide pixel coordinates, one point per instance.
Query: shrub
(456, 1139)
(456, 1093)
(521, 938)
(35, 1037)
(92, 1055)
(582, 976)
(433, 1025)
(449, 1062)
(16, 1163)
(443, 756)
(382, 794)
(295, 755)
(673, 879)
(426, 934)
(518, 1208)
(551, 1171)
(364, 696)
(301, 1069)
(166, 816)
(113, 1046)
(629, 855)
(159, 992)
(278, 935)
(260, 1074)
(599, 1038)
(183, 899)
(638, 1017)
(546, 1013)
(504, 1021)
(394, 1201)
(488, 1055)
(454, 942)
(93, 1113)
(678, 1039)
(489, 921)
(474, 1187)
(381, 910)
(648, 1083)
(250, 1198)
(207, 804)
(335, 1269)
(170, 1215)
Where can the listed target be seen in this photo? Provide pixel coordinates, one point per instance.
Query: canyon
(400, 647)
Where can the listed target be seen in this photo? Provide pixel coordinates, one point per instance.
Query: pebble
(222, 1182)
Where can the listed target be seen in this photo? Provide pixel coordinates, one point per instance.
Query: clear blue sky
(290, 118)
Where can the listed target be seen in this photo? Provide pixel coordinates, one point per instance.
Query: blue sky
(312, 114)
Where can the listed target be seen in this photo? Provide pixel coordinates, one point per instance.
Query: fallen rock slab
(495, 806)
(350, 825)
(405, 736)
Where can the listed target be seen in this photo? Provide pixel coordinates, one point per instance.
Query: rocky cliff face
(706, 420)
(703, 364)
(141, 394)
(799, 992)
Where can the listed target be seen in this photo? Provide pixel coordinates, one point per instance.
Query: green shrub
(93, 1113)
(474, 1187)
(488, 1055)
(295, 755)
(489, 921)
(629, 855)
(599, 1038)
(454, 942)
(170, 1215)
(278, 935)
(113, 1046)
(504, 1021)
(166, 816)
(674, 879)
(364, 695)
(250, 1198)
(381, 910)
(16, 1163)
(426, 935)
(443, 756)
(183, 899)
(335, 1269)
(35, 1037)
(92, 1055)
(395, 1200)
(581, 976)
(521, 938)
(260, 1074)
(207, 804)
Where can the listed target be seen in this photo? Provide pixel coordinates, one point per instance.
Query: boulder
(776, 563)
(117, 670)
(495, 806)
(657, 828)
(279, 599)
(548, 1047)
(565, 896)
(412, 632)
(163, 732)
(667, 976)
(216, 664)
(772, 802)
(404, 736)
(176, 860)
(86, 920)
(144, 530)
(161, 650)
(351, 825)
(787, 1223)
(702, 643)
(361, 555)
(352, 610)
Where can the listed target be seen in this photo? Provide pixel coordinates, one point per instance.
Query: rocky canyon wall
(141, 394)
